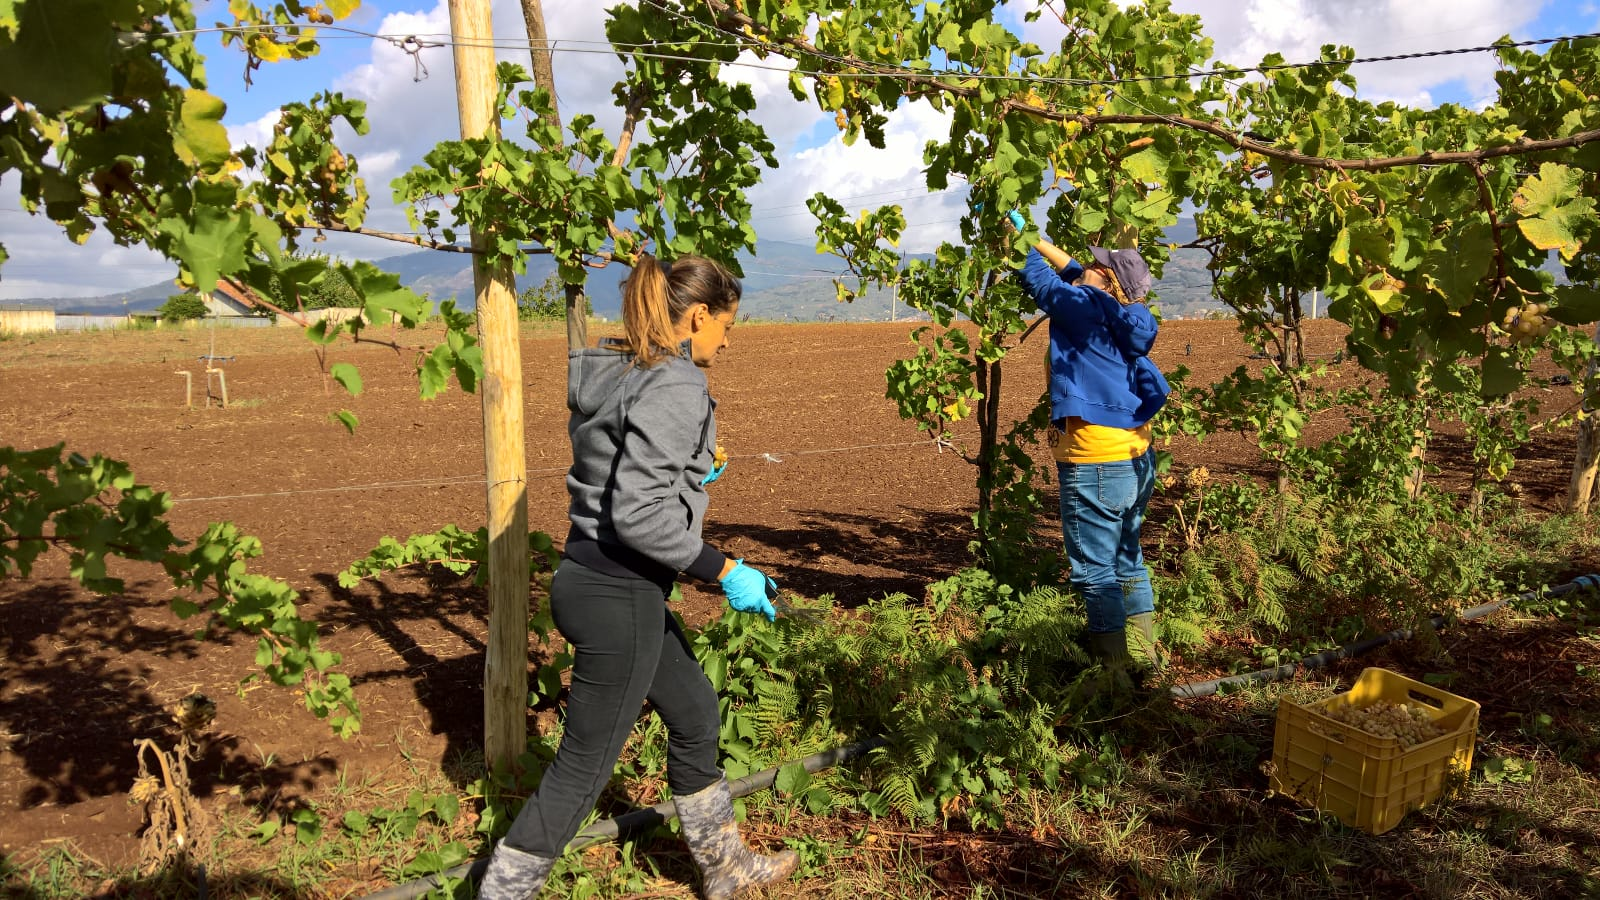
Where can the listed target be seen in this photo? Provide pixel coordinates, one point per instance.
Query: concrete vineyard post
(505, 670)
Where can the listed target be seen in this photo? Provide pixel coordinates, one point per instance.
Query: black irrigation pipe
(639, 820)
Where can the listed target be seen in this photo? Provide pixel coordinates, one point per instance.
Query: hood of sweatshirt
(594, 374)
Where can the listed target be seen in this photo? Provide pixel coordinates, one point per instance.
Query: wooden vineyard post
(544, 76)
(1586, 461)
(505, 669)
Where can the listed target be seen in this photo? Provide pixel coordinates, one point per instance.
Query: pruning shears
(803, 614)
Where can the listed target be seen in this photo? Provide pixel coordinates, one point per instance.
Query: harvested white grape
(1407, 723)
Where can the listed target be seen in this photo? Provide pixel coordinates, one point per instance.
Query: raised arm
(1057, 258)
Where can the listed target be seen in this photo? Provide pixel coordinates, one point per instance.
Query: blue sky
(409, 116)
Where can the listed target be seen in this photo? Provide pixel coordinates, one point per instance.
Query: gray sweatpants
(627, 648)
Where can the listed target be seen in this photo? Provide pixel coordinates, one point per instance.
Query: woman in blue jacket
(644, 438)
(1103, 392)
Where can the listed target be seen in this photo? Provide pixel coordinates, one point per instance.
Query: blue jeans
(1102, 508)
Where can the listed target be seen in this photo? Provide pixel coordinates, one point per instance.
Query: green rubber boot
(1140, 642)
(1110, 651)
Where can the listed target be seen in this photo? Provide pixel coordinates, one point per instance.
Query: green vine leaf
(1457, 264)
(48, 57)
(347, 376)
(212, 241)
(1575, 304)
(1148, 165)
(1502, 374)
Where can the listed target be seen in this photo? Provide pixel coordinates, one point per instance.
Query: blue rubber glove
(714, 474)
(1017, 221)
(750, 591)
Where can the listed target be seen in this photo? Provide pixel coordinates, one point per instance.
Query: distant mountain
(782, 281)
(143, 299)
(1185, 285)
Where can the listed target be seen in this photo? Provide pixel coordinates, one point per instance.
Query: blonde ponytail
(656, 297)
(647, 317)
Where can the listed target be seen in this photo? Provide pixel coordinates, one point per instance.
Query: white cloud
(1244, 32)
(1298, 29)
(45, 263)
(256, 134)
(381, 166)
(861, 177)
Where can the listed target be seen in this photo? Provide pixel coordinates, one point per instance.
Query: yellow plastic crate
(1370, 782)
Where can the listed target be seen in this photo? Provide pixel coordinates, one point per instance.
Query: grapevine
(1424, 227)
(94, 510)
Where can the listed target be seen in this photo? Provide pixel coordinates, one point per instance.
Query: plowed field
(828, 490)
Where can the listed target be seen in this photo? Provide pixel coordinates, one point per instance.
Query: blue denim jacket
(1100, 369)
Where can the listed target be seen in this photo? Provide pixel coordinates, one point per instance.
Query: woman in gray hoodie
(644, 437)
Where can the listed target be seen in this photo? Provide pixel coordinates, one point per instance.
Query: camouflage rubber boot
(514, 874)
(1141, 642)
(726, 864)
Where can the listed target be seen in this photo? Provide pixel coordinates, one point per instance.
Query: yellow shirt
(1086, 443)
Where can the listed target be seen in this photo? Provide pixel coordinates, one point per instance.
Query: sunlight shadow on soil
(74, 689)
(911, 550)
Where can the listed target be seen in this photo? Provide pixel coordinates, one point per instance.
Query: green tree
(329, 288)
(183, 307)
(547, 302)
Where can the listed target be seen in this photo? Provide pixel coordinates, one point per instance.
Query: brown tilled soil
(828, 490)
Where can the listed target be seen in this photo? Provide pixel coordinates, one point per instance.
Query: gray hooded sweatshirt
(642, 440)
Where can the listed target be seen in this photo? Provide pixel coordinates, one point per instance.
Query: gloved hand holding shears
(750, 590)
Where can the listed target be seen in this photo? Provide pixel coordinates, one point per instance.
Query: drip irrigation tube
(639, 820)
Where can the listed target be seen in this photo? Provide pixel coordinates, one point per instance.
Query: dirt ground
(828, 490)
